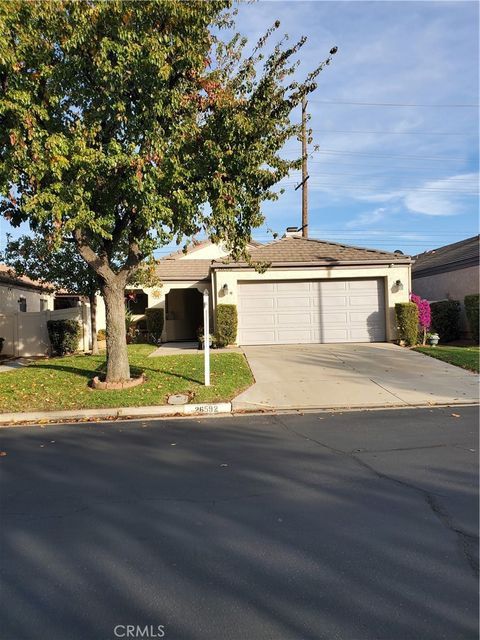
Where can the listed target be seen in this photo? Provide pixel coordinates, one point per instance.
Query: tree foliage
(125, 125)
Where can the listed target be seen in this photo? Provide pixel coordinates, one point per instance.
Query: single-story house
(313, 291)
(20, 293)
(448, 273)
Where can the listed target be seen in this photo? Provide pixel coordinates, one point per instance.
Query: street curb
(155, 411)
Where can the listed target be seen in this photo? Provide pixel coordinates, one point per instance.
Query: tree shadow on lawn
(101, 369)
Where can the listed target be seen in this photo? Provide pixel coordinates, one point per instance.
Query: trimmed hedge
(407, 322)
(227, 322)
(472, 304)
(64, 336)
(155, 320)
(446, 319)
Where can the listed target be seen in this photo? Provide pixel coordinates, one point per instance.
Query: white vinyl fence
(26, 334)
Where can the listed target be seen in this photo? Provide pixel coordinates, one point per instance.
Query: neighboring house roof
(448, 258)
(298, 251)
(8, 277)
(187, 270)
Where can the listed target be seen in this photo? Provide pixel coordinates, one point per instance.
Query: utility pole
(304, 169)
(305, 175)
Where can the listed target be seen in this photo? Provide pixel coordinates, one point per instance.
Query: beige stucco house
(19, 293)
(448, 273)
(313, 291)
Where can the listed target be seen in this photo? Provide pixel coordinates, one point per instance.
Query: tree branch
(98, 264)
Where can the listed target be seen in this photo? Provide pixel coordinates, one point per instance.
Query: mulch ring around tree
(102, 385)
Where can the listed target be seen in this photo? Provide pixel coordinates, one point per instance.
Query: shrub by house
(446, 319)
(472, 303)
(155, 320)
(64, 336)
(227, 323)
(407, 322)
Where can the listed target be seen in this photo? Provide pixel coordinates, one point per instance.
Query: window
(136, 301)
(22, 304)
(43, 304)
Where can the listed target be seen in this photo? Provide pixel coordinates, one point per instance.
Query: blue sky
(393, 177)
(390, 177)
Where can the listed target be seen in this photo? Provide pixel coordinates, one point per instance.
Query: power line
(369, 188)
(382, 155)
(397, 133)
(397, 104)
(460, 179)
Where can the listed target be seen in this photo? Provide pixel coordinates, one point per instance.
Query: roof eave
(323, 263)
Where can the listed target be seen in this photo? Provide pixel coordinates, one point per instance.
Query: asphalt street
(345, 526)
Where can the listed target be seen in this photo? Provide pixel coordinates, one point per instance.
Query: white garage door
(294, 312)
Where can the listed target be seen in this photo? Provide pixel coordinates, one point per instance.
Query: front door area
(183, 314)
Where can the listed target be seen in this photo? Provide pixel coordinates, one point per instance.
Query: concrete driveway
(351, 375)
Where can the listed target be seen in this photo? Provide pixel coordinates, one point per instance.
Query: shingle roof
(8, 276)
(187, 270)
(196, 245)
(297, 250)
(451, 256)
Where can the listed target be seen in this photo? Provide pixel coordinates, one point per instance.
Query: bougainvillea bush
(424, 315)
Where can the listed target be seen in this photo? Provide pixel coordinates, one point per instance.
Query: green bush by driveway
(62, 383)
(465, 357)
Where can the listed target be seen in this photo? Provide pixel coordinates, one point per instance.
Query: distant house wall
(10, 295)
(449, 285)
(207, 252)
(26, 334)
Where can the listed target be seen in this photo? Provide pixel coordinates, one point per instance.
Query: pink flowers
(424, 315)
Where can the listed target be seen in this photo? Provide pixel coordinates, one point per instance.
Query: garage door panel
(257, 304)
(294, 319)
(258, 336)
(367, 300)
(260, 320)
(333, 286)
(311, 311)
(294, 336)
(293, 287)
(261, 288)
(332, 319)
(333, 302)
(294, 302)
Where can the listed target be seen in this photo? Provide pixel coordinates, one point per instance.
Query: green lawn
(465, 357)
(62, 383)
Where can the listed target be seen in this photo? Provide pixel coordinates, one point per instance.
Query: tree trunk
(113, 293)
(93, 322)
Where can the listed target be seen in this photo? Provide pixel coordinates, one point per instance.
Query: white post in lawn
(206, 337)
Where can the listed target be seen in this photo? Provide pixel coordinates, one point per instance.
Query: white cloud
(448, 196)
(368, 218)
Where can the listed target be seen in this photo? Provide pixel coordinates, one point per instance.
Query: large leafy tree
(124, 125)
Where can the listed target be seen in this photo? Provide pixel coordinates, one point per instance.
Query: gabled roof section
(299, 251)
(452, 256)
(183, 270)
(197, 246)
(10, 278)
(174, 268)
